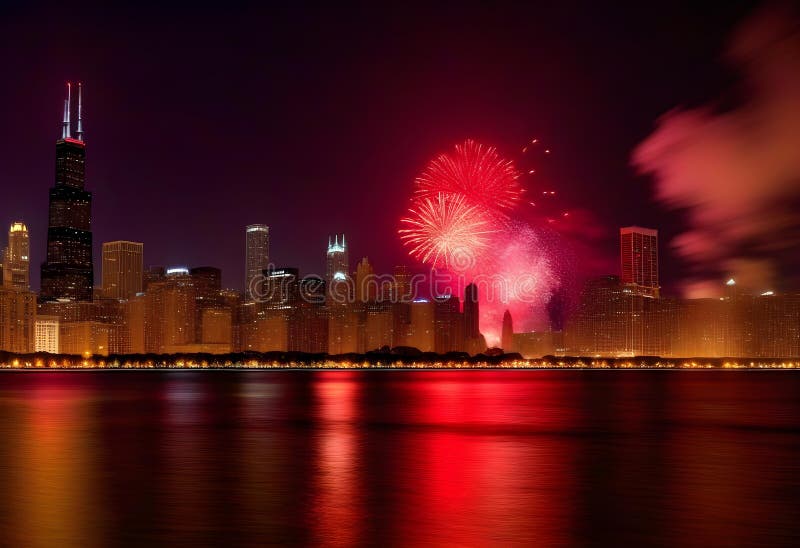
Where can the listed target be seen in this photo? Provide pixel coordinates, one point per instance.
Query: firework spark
(445, 231)
(475, 171)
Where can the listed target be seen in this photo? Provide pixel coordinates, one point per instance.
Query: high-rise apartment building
(17, 320)
(68, 271)
(256, 258)
(122, 269)
(171, 313)
(16, 258)
(47, 328)
(614, 319)
(639, 259)
(448, 324)
(422, 330)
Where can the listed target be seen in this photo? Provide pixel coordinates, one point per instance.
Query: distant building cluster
(180, 310)
(614, 319)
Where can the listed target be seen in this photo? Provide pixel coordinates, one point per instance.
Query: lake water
(475, 458)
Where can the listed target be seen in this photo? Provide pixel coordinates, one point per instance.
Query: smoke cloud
(736, 171)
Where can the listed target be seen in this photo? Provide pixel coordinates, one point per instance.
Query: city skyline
(481, 225)
(268, 148)
(70, 237)
(409, 274)
(460, 227)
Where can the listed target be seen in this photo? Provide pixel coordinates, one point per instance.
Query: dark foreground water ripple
(471, 458)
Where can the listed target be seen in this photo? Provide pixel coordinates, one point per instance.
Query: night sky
(315, 120)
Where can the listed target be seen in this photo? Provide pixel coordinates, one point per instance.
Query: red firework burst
(476, 172)
(446, 232)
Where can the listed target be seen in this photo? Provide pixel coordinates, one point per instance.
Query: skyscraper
(471, 320)
(16, 258)
(366, 289)
(171, 312)
(336, 268)
(122, 269)
(507, 341)
(257, 258)
(342, 316)
(281, 288)
(639, 258)
(474, 342)
(448, 324)
(68, 271)
(422, 331)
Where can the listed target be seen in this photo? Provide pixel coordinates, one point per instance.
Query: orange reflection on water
(54, 499)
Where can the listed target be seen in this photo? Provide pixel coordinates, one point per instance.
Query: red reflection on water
(480, 472)
(337, 516)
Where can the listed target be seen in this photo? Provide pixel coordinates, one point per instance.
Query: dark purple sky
(315, 120)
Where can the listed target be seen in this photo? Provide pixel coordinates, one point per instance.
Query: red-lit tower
(639, 258)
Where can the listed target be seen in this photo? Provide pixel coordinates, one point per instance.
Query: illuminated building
(256, 257)
(217, 327)
(111, 312)
(401, 322)
(376, 327)
(639, 259)
(86, 338)
(308, 328)
(343, 319)
(336, 270)
(308, 317)
(471, 312)
(616, 319)
(342, 329)
(68, 271)
(312, 289)
(402, 291)
(170, 321)
(266, 334)
(281, 288)
(366, 290)
(208, 286)
(134, 312)
(16, 272)
(152, 274)
(422, 328)
(122, 269)
(208, 280)
(17, 320)
(507, 339)
(47, 331)
(448, 324)
(68, 311)
(776, 324)
(474, 342)
(534, 344)
(397, 287)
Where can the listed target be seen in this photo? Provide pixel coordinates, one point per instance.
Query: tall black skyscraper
(68, 271)
(471, 322)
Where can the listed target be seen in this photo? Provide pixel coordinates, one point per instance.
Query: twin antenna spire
(65, 131)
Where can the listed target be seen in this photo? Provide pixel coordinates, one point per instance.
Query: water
(473, 458)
